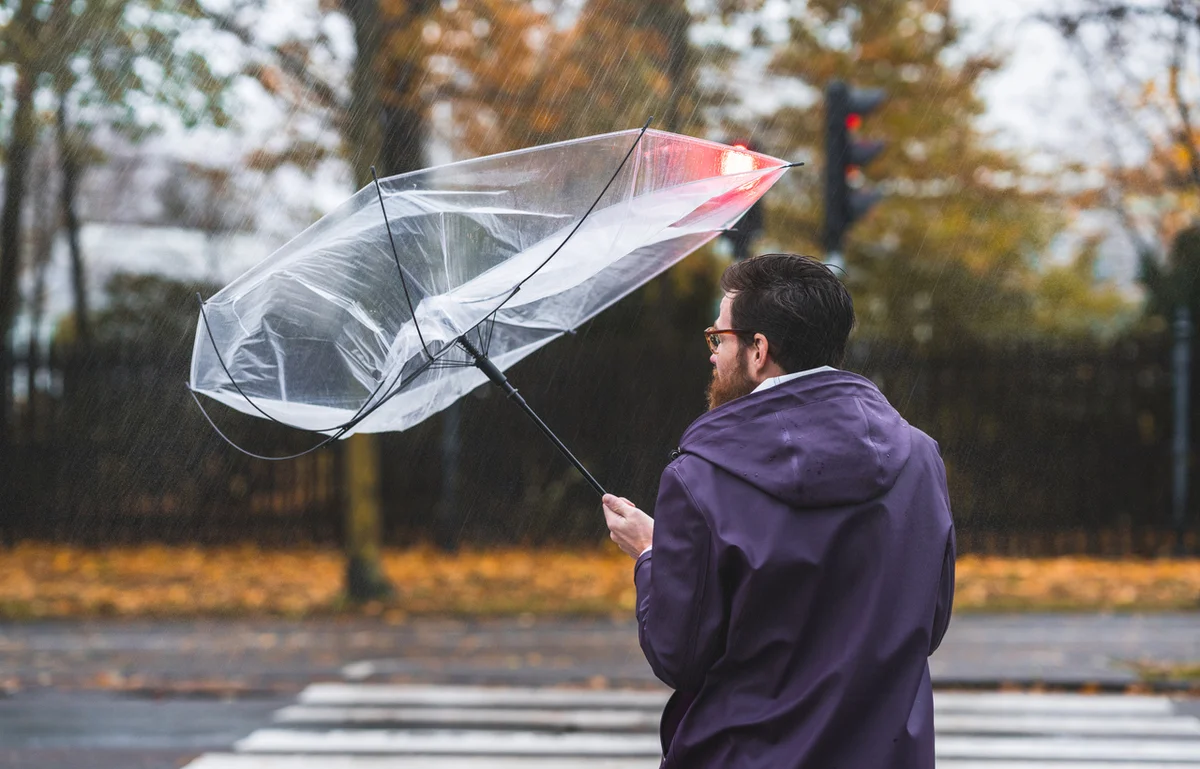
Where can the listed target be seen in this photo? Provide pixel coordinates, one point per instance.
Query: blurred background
(1019, 248)
(1012, 192)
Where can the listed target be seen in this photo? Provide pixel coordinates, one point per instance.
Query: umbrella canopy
(356, 324)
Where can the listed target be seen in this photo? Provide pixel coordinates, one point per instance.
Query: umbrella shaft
(484, 364)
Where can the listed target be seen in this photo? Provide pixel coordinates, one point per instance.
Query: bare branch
(1117, 190)
(290, 63)
(1069, 24)
(1186, 136)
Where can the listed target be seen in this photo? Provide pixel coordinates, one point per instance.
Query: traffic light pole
(836, 190)
(845, 200)
(1181, 445)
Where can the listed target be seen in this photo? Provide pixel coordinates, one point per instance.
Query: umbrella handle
(484, 364)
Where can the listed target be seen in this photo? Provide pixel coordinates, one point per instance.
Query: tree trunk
(449, 515)
(387, 129)
(361, 129)
(31, 366)
(365, 580)
(20, 148)
(361, 503)
(42, 231)
(674, 23)
(68, 154)
(34, 354)
(403, 130)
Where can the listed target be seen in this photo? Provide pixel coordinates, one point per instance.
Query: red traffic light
(853, 121)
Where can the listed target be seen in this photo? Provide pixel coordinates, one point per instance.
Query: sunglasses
(713, 335)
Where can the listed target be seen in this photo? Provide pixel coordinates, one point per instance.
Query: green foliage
(1067, 301)
(116, 61)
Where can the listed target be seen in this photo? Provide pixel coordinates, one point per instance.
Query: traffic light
(846, 200)
(742, 234)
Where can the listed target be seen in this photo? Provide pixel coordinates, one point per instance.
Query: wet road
(152, 695)
(49, 729)
(264, 657)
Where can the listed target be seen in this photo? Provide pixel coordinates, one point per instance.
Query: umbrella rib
(586, 214)
(255, 406)
(362, 413)
(251, 454)
(396, 256)
(340, 431)
(487, 346)
(485, 364)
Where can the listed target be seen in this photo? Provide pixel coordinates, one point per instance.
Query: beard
(726, 387)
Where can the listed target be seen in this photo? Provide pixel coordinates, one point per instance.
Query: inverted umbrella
(423, 286)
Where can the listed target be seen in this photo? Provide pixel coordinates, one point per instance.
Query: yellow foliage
(999, 584)
(38, 580)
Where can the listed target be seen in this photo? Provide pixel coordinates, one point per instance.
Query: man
(800, 565)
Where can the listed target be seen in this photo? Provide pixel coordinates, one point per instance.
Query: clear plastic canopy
(321, 332)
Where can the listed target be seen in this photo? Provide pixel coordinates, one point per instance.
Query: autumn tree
(523, 81)
(510, 77)
(94, 57)
(1068, 302)
(1142, 62)
(204, 198)
(380, 114)
(947, 250)
(947, 253)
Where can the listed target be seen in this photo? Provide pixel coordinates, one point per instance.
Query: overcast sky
(1040, 101)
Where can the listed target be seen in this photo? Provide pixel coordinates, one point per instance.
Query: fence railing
(1050, 449)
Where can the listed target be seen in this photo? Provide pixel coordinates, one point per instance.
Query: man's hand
(630, 528)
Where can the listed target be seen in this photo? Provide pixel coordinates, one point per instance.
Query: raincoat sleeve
(945, 599)
(680, 611)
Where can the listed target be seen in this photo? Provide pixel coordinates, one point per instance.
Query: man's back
(802, 571)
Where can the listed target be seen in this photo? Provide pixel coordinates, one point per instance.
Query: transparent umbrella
(425, 285)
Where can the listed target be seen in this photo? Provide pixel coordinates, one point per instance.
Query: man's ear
(761, 349)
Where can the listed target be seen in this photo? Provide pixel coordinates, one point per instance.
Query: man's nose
(713, 359)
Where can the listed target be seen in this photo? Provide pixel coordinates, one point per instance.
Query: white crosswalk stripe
(375, 726)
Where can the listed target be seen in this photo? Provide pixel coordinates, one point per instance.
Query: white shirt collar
(778, 380)
(766, 385)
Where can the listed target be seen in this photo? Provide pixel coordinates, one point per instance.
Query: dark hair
(797, 303)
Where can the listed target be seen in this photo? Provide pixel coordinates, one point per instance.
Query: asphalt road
(152, 695)
(52, 729)
(263, 657)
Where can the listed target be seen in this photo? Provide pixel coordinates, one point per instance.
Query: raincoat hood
(823, 440)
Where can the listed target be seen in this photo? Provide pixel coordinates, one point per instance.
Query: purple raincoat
(802, 572)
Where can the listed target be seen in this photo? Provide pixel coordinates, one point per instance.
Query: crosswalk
(378, 726)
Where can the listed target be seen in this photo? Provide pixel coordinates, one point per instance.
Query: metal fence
(1050, 449)
(109, 448)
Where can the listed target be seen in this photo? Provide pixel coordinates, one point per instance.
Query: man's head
(790, 313)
